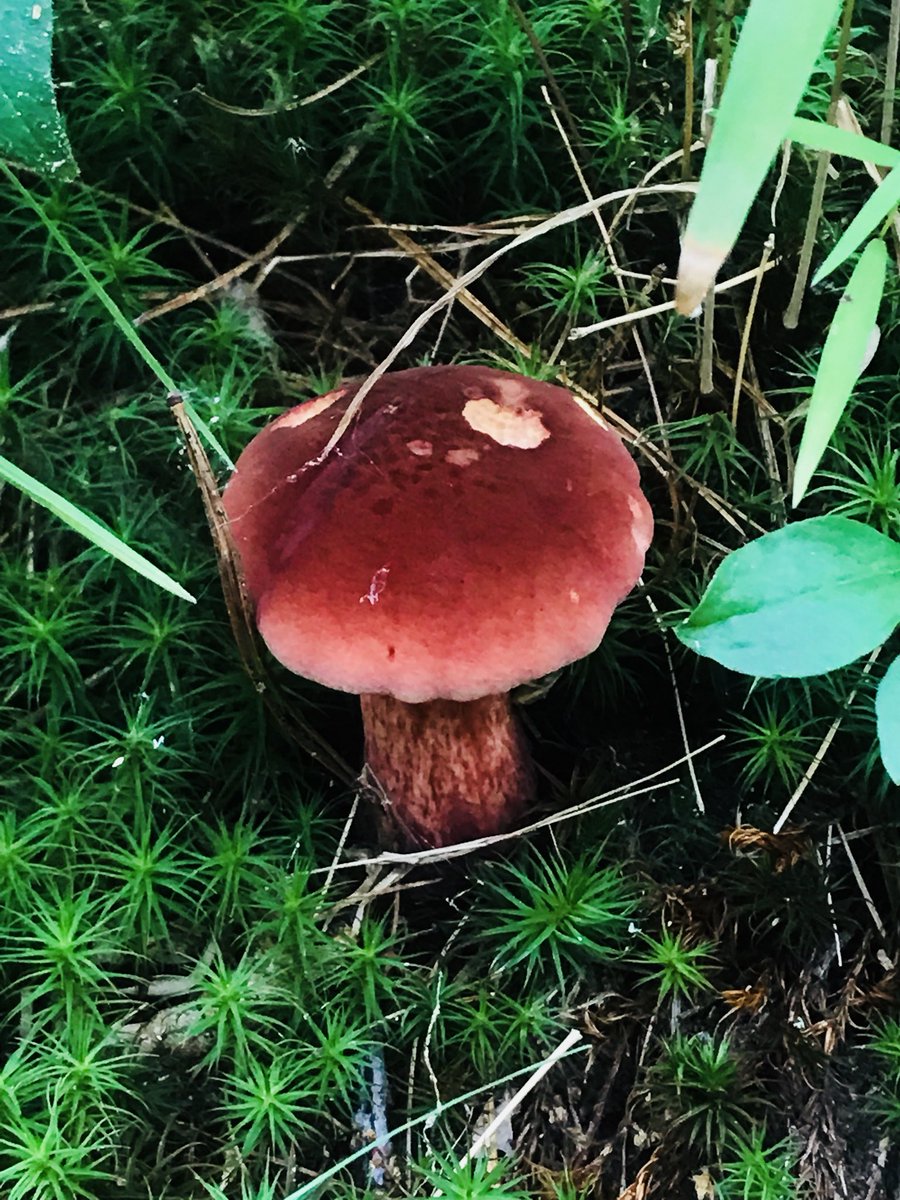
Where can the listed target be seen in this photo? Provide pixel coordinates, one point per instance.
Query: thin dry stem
(764, 415)
(229, 276)
(581, 331)
(863, 887)
(890, 74)
(613, 259)
(829, 898)
(638, 787)
(845, 118)
(679, 708)
(823, 748)
(26, 310)
(748, 325)
(792, 313)
(565, 217)
(237, 602)
(504, 1112)
(272, 109)
(660, 462)
(688, 125)
(707, 343)
(710, 76)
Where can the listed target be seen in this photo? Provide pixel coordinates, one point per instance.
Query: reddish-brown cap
(472, 529)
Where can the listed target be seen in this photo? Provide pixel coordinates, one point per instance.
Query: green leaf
(887, 714)
(882, 201)
(846, 353)
(800, 601)
(773, 60)
(818, 135)
(89, 528)
(31, 129)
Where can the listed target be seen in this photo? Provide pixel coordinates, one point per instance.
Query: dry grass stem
(823, 162)
(890, 74)
(707, 343)
(823, 748)
(224, 279)
(863, 887)
(27, 310)
(679, 708)
(626, 302)
(423, 257)
(829, 898)
(228, 277)
(238, 604)
(506, 1110)
(581, 331)
(661, 462)
(638, 787)
(273, 109)
(748, 325)
(565, 217)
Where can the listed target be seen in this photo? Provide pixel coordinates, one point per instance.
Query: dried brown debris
(787, 848)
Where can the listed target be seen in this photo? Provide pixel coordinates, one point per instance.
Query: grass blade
(88, 527)
(818, 135)
(846, 353)
(773, 60)
(31, 129)
(883, 200)
(310, 1188)
(125, 326)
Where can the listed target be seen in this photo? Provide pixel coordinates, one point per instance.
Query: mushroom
(471, 530)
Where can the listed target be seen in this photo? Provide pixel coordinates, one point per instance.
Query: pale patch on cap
(519, 427)
(641, 525)
(462, 458)
(420, 448)
(305, 412)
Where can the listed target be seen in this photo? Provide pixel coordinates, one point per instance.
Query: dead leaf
(703, 1185)
(787, 847)
(747, 999)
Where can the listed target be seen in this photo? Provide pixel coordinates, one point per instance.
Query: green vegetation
(205, 989)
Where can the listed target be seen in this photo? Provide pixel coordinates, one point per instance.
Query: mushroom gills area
(452, 770)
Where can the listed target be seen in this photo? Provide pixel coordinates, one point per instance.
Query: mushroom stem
(452, 770)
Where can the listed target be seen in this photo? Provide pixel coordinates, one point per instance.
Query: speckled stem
(452, 770)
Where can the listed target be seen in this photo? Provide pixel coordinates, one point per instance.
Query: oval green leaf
(887, 714)
(800, 601)
(88, 527)
(31, 129)
(773, 60)
(845, 355)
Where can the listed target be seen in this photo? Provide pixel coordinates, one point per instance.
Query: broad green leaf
(773, 60)
(818, 135)
(847, 351)
(800, 601)
(885, 198)
(887, 714)
(31, 129)
(89, 528)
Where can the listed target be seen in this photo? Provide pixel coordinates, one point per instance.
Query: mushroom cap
(472, 529)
